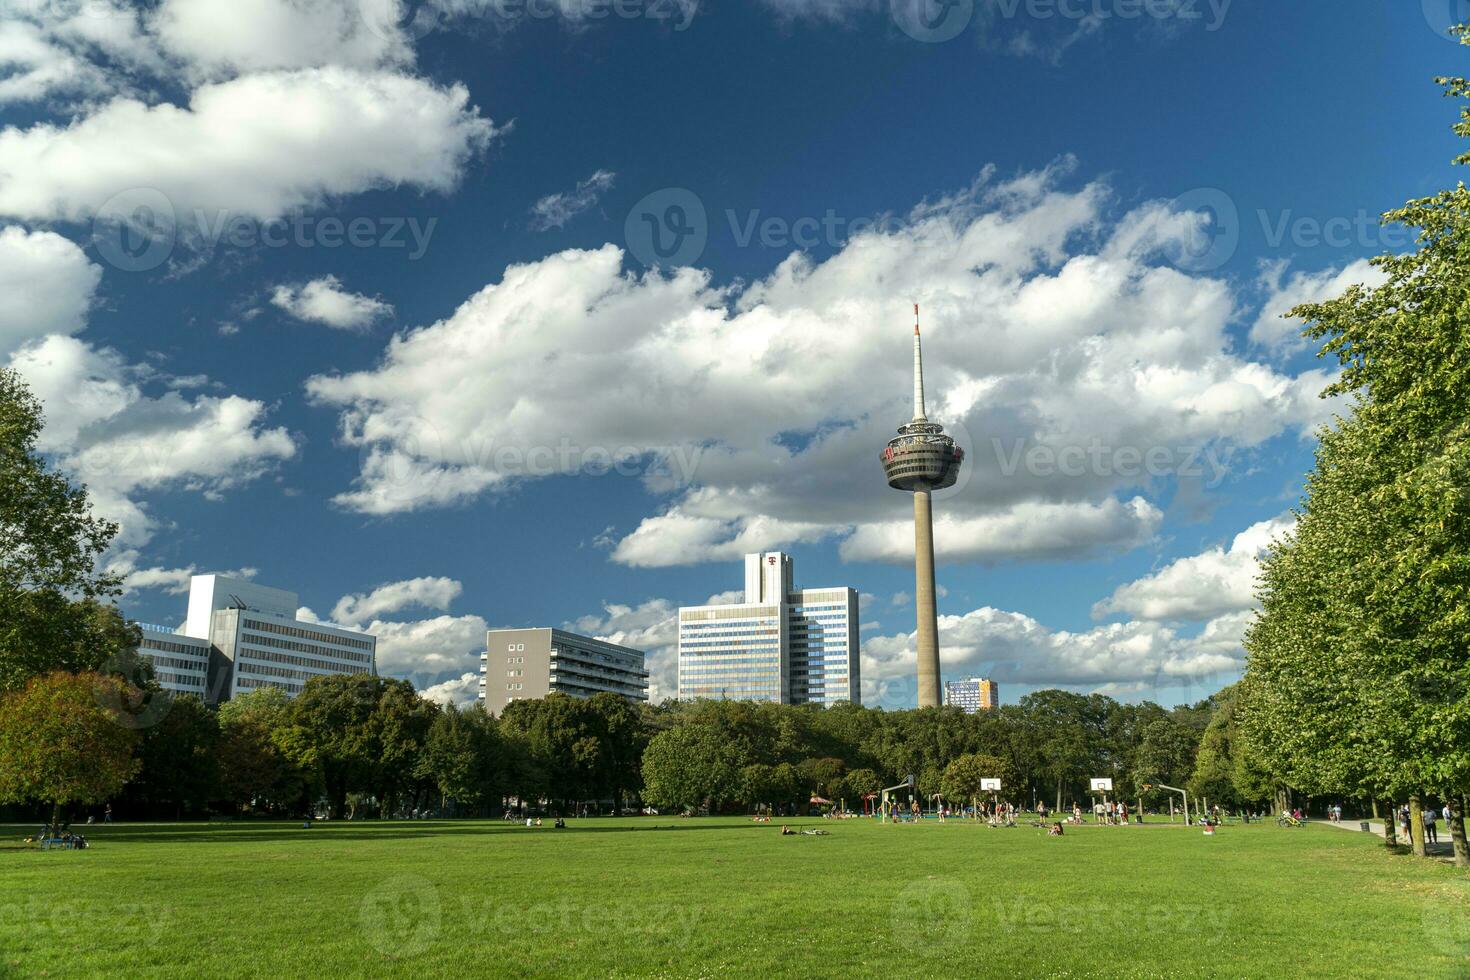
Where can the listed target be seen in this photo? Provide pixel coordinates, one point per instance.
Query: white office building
(239, 637)
(781, 644)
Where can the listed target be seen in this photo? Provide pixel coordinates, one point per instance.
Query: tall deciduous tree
(60, 744)
(178, 754)
(255, 771)
(54, 608)
(1360, 664)
(688, 767)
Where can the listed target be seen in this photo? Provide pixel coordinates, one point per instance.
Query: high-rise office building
(240, 636)
(531, 663)
(972, 694)
(921, 460)
(781, 644)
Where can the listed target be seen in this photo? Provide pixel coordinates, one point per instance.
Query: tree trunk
(1059, 794)
(55, 818)
(1457, 833)
(1416, 824)
(1375, 809)
(1389, 836)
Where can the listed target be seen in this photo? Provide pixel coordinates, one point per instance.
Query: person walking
(1431, 830)
(107, 814)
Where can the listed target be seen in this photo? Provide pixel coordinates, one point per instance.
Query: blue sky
(1101, 205)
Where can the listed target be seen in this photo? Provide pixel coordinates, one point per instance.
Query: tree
(52, 610)
(397, 732)
(342, 732)
(1359, 667)
(254, 770)
(1165, 754)
(1060, 721)
(687, 767)
(963, 778)
(859, 783)
(822, 777)
(60, 745)
(178, 757)
(461, 756)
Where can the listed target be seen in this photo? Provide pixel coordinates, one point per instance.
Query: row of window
(296, 631)
(169, 646)
(271, 641)
(271, 671)
(247, 683)
(174, 662)
(193, 681)
(251, 654)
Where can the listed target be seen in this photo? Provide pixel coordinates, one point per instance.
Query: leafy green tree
(1066, 739)
(859, 783)
(1359, 667)
(822, 777)
(398, 731)
(357, 734)
(55, 612)
(60, 744)
(179, 759)
(256, 772)
(1165, 754)
(963, 780)
(758, 784)
(688, 767)
(462, 756)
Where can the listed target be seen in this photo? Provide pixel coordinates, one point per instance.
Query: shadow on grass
(391, 830)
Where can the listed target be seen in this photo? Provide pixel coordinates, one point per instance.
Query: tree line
(1358, 677)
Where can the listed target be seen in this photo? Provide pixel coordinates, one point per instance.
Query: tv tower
(921, 460)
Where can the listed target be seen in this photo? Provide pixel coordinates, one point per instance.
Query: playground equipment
(907, 784)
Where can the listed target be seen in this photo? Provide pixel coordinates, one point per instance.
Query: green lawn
(721, 897)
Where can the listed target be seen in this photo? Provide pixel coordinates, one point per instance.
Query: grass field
(725, 897)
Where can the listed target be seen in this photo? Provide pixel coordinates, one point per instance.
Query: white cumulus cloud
(47, 283)
(254, 146)
(1200, 587)
(427, 592)
(325, 301)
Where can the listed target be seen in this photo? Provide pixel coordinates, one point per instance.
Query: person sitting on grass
(1056, 830)
(786, 831)
(560, 824)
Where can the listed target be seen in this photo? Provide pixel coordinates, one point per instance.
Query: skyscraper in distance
(919, 461)
(972, 694)
(782, 644)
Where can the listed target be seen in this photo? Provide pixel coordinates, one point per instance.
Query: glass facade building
(972, 694)
(782, 644)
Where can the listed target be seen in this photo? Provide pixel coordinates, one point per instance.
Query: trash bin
(1363, 826)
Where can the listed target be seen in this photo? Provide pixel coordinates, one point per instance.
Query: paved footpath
(1444, 848)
